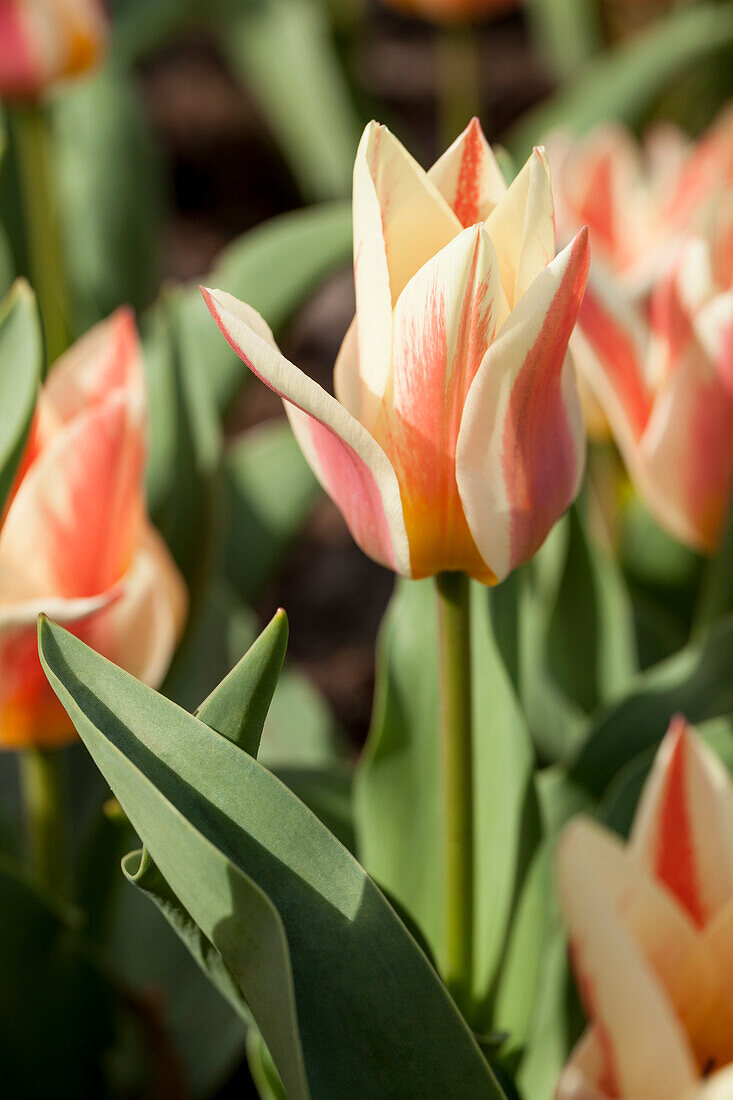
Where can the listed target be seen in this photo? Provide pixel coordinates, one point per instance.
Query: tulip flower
(455, 439)
(75, 540)
(43, 41)
(451, 11)
(650, 925)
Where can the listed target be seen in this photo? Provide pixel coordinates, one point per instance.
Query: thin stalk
(459, 80)
(47, 268)
(454, 632)
(42, 789)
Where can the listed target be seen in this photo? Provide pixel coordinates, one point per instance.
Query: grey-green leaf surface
(623, 82)
(346, 1001)
(20, 371)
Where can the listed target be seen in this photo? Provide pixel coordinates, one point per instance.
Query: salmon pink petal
(667, 936)
(522, 227)
(521, 443)
(139, 631)
(400, 221)
(348, 462)
(686, 455)
(623, 997)
(106, 359)
(683, 829)
(468, 176)
(586, 1074)
(73, 525)
(445, 320)
(714, 330)
(20, 63)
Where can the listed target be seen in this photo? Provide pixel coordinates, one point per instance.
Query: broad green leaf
(269, 492)
(310, 112)
(238, 707)
(306, 933)
(56, 1009)
(398, 791)
(623, 82)
(110, 194)
(697, 682)
(21, 356)
(7, 265)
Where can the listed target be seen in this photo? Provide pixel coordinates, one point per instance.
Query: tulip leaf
(299, 924)
(270, 491)
(21, 357)
(568, 33)
(398, 798)
(624, 81)
(238, 707)
(310, 112)
(697, 682)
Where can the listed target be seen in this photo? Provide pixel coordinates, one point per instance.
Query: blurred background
(207, 120)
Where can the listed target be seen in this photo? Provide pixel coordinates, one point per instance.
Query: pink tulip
(654, 343)
(42, 41)
(455, 440)
(651, 937)
(75, 540)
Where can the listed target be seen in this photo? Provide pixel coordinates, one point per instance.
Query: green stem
(459, 80)
(47, 269)
(454, 632)
(42, 789)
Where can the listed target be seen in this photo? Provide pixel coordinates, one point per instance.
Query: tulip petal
(400, 221)
(522, 227)
(139, 631)
(72, 527)
(468, 176)
(106, 359)
(666, 935)
(683, 829)
(714, 330)
(586, 1075)
(346, 377)
(622, 995)
(445, 320)
(20, 66)
(521, 443)
(349, 463)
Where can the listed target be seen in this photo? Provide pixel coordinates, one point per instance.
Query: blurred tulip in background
(42, 41)
(75, 540)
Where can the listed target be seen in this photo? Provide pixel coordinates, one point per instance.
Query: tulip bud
(651, 936)
(43, 41)
(75, 540)
(455, 439)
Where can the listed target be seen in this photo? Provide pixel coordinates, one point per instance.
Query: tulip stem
(45, 255)
(459, 80)
(454, 633)
(43, 799)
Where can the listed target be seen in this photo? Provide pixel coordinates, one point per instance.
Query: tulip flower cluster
(455, 440)
(655, 333)
(43, 41)
(75, 540)
(651, 934)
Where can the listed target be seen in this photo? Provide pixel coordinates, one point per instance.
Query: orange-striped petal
(468, 176)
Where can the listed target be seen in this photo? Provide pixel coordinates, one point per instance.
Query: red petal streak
(617, 354)
(468, 189)
(539, 458)
(675, 844)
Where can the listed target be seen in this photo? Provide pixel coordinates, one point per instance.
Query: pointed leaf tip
(238, 707)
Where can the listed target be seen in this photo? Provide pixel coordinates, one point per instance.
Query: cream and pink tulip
(650, 926)
(455, 440)
(44, 41)
(75, 540)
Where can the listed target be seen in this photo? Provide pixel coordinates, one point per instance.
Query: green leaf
(238, 707)
(21, 357)
(398, 797)
(568, 33)
(624, 81)
(716, 594)
(697, 682)
(56, 1009)
(304, 930)
(310, 112)
(270, 491)
(110, 194)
